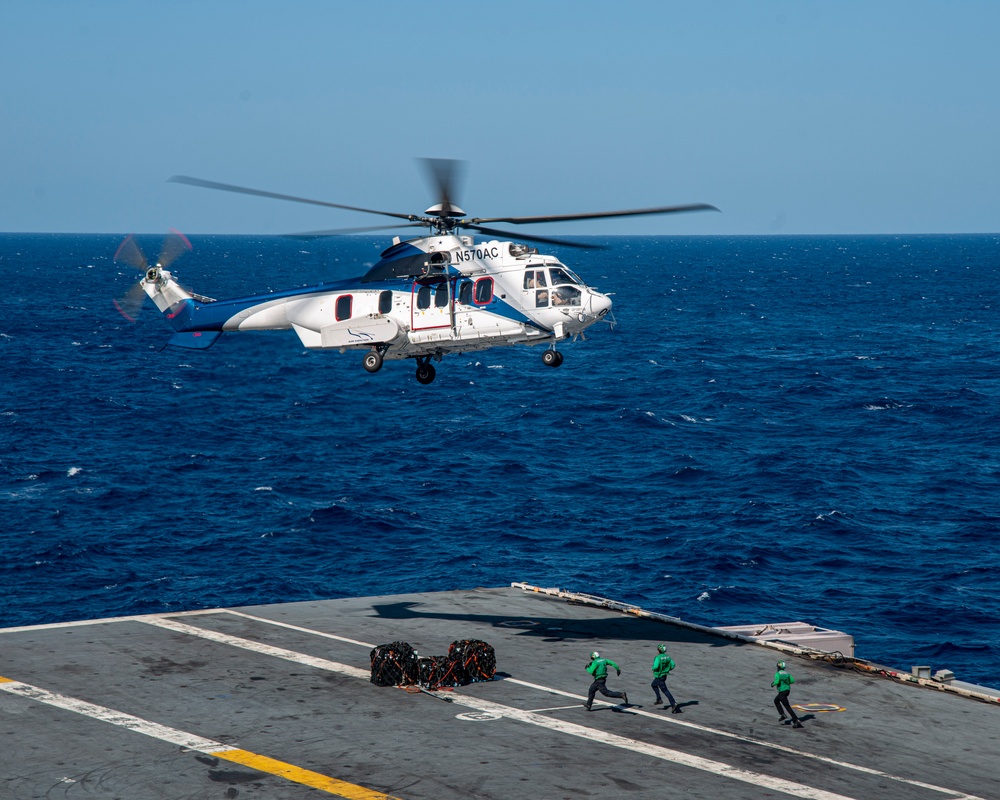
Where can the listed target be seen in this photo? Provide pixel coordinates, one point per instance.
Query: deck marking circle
(517, 623)
(821, 708)
(477, 716)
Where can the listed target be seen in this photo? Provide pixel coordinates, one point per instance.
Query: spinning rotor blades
(444, 172)
(531, 238)
(174, 245)
(228, 187)
(597, 214)
(446, 217)
(130, 303)
(128, 252)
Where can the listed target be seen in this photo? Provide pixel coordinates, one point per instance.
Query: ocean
(779, 428)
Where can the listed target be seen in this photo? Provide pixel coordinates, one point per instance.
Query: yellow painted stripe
(304, 776)
(190, 741)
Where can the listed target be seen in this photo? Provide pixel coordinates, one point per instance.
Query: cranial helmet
(781, 665)
(594, 655)
(662, 648)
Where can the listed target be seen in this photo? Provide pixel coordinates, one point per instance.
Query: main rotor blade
(598, 214)
(342, 231)
(128, 252)
(444, 172)
(228, 187)
(527, 238)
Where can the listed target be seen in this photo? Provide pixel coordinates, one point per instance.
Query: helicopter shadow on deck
(561, 629)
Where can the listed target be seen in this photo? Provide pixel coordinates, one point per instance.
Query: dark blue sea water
(781, 428)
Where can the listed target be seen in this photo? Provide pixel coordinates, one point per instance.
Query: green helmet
(662, 648)
(781, 665)
(594, 655)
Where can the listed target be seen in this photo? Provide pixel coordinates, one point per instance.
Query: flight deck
(275, 702)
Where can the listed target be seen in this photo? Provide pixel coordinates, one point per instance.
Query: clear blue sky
(791, 116)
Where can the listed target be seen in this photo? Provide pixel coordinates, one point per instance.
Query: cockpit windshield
(562, 275)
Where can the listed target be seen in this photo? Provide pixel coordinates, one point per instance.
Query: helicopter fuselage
(423, 299)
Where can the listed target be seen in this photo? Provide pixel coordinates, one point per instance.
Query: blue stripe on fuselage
(504, 309)
(192, 316)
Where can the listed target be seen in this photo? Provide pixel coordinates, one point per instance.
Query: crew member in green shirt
(598, 667)
(783, 683)
(662, 665)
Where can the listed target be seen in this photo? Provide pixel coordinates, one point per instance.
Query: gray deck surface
(297, 694)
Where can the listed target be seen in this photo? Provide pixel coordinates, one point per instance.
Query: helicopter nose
(600, 305)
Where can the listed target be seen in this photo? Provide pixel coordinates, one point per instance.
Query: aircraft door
(536, 289)
(432, 305)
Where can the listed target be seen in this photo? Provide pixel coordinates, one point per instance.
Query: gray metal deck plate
(133, 708)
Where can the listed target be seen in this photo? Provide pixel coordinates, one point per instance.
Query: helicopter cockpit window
(565, 296)
(424, 297)
(385, 302)
(533, 278)
(441, 296)
(484, 291)
(563, 275)
(343, 308)
(465, 293)
(542, 298)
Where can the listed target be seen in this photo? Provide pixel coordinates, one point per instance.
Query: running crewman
(598, 667)
(783, 683)
(662, 665)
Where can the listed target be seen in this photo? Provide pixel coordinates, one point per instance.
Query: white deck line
(671, 720)
(118, 718)
(164, 620)
(509, 712)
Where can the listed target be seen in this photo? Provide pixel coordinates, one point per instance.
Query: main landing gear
(552, 358)
(425, 370)
(373, 360)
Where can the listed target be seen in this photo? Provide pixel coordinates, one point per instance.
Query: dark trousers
(784, 707)
(600, 685)
(661, 683)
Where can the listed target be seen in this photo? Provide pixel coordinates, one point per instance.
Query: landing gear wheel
(552, 358)
(425, 373)
(373, 361)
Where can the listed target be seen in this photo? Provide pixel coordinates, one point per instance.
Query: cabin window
(565, 296)
(534, 278)
(424, 297)
(385, 302)
(563, 275)
(541, 298)
(465, 293)
(484, 291)
(343, 310)
(441, 296)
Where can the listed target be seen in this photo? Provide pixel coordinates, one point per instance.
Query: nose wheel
(552, 358)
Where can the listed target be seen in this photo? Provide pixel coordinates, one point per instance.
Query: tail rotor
(130, 253)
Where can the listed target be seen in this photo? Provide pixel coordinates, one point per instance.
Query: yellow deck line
(271, 766)
(304, 776)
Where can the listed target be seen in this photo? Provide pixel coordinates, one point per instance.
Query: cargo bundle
(468, 661)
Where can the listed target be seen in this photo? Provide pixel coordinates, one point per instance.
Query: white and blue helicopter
(427, 297)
